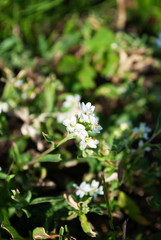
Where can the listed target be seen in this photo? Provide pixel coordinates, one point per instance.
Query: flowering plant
(83, 124)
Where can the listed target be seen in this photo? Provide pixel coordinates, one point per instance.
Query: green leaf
(7, 226)
(28, 214)
(39, 233)
(131, 208)
(108, 90)
(154, 203)
(61, 232)
(69, 64)
(46, 199)
(86, 77)
(50, 158)
(117, 145)
(9, 177)
(47, 137)
(28, 196)
(3, 175)
(158, 127)
(86, 226)
(157, 145)
(101, 40)
(111, 65)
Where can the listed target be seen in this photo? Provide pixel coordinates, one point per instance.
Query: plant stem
(52, 148)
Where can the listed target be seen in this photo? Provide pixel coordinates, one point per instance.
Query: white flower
(3, 107)
(87, 108)
(88, 142)
(70, 124)
(84, 118)
(82, 124)
(145, 130)
(87, 112)
(92, 189)
(93, 119)
(19, 83)
(142, 131)
(95, 189)
(96, 128)
(82, 189)
(71, 100)
(80, 131)
(114, 45)
(24, 96)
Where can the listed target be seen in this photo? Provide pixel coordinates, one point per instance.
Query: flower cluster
(92, 189)
(71, 103)
(70, 100)
(142, 131)
(83, 124)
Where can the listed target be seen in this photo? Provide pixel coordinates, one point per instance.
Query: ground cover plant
(80, 120)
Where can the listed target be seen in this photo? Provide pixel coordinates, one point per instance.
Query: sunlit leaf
(86, 77)
(108, 90)
(50, 158)
(3, 175)
(86, 226)
(131, 208)
(61, 232)
(39, 233)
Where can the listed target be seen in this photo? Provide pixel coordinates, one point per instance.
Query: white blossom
(87, 112)
(96, 128)
(3, 107)
(70, 100)
(92, 189)
(80, 131)
(114, 45)
(87, 108)
(82, 124)
(88, 142)
(82, 189)
(142, 131)
(95, 189)
(18, 83)
(70, 124)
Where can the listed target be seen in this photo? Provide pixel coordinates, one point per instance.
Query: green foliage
(131, 208)
(50, 51)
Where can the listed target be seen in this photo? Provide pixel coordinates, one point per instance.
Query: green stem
(107, 204)
(52, 148)
(70, 136)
